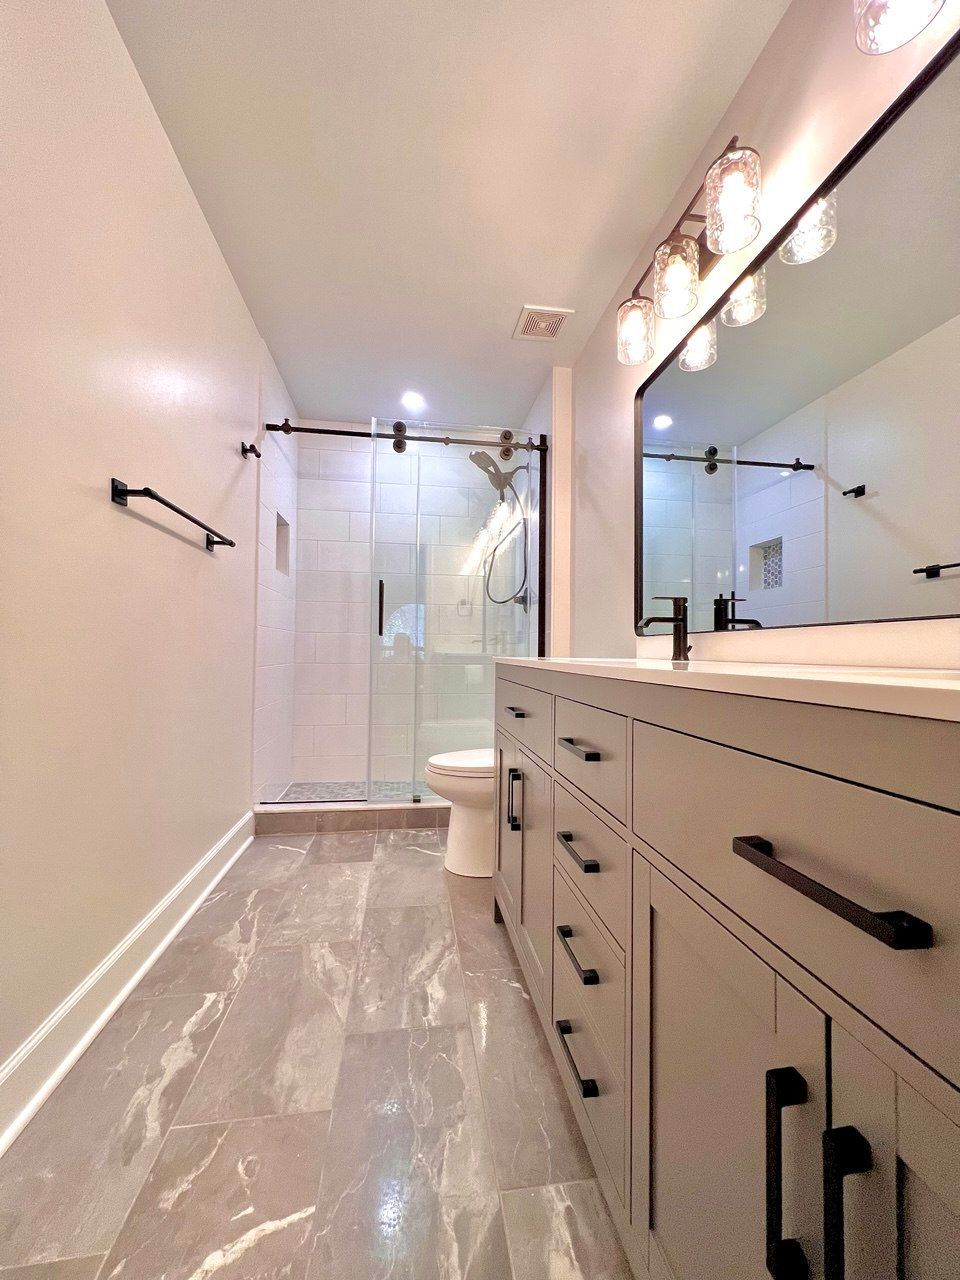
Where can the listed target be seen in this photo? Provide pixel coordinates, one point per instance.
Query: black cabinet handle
(586, 865)
(588, 1088)
(518, 713)
(380, 601)
(845, 1151)
(582, 753)
(589, 977)
(897, 929)
(786, 1260)
(513, 775)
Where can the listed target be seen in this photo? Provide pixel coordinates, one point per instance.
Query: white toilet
(466, 779)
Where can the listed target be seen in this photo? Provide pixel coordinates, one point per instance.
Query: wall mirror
(851, 372)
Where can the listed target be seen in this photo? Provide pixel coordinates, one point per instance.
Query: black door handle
(588, 1087)
(845, 1151)
(586, 865)
(582, 753)
(786, 1260)
(897, 929)
(380, 601)
(513, 775)
(589, 977)
(518, 713)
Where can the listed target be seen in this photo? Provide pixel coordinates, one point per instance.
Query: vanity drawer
(603, 1000)
(592, 841)
(693, 798)
(526, 714)
(586, 1064)
(591, 750)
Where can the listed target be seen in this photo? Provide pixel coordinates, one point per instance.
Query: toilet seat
(464, 764)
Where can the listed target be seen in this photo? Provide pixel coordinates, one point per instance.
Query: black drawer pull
(589, 977)
(845, 1151)
(896, 929)
(514, 823)
(586, 865)
(786, 1260)
(588, 1088)
(582, 753)
(518, 713)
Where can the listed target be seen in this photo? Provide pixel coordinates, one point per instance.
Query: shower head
(501, 480)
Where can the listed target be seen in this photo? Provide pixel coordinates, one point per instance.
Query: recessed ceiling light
(784, 473)
(662, 421)
(413, 401)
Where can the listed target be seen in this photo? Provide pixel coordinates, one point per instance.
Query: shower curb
(301, 819)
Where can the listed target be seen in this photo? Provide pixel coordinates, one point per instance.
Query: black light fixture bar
(119, 493)
(711, 458)
(506, 437)
(934, 570)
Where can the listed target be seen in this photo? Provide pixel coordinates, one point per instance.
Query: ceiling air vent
(541, 324)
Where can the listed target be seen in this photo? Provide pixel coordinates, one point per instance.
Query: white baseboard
(34, 1070)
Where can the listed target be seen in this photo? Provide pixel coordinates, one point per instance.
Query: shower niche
(418, 558)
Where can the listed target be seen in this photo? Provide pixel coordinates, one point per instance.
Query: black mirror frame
(921, 82)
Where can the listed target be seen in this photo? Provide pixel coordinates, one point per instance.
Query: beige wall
(126, 676)
(808, 99)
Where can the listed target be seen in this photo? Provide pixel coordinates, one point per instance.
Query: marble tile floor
(333, 1073)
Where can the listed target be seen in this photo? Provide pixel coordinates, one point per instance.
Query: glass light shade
(635, 331)
(815, 233)
(733, 200)
(676, 277)
(747, 302)
(883, 25)
(701, 349)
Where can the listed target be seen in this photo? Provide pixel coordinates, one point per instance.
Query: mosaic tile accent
(351, 793)
(772, 564)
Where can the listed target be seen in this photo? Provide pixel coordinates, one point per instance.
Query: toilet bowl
(466, 779)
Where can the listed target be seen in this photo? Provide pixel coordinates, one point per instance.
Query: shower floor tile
(353, 792)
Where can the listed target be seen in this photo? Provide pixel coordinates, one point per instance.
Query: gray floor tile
(268, 862)
(563, 1231)
(408, 1188)
(408, 875)
(482, 944)
(532, 1128)
(341, 846)
(408, 974)
(69, 1179)
(278, 1051)
(324, 904)
(406, 837)
(232, 1201)
(65, 1269)
(214, 950)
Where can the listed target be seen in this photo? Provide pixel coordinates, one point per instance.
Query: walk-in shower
(419, 562)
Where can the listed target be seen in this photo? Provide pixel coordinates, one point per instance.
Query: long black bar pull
(380, 603)
(119, 493)
(845, 1151)
(786, 1260)
(934, 570)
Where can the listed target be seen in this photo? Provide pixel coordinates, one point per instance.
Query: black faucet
(678, 620)
(725, 615)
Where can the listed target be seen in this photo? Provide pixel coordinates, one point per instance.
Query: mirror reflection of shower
(504, 532)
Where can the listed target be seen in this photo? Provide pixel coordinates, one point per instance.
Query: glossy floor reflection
(334, 1072)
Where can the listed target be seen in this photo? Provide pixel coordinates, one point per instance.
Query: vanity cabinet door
(717, 1020)
(899, 1218)
(509, 827)
(536, 900)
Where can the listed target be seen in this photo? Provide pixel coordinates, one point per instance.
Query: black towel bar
(119, 493)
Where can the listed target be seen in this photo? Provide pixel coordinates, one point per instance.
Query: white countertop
(932, 695)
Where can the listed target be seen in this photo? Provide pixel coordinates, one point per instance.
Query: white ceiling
(391, 181)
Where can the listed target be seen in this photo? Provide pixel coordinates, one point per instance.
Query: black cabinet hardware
(586, 865)
(588, 1088)
(248, 449)
(857, 491)
(589, 977)
(119, 493)
(934, 570)
(845, 1151)
(380, 604)
(513, 775)
(517, 712)
(897, 929)
(786, 1260)
(582, 753)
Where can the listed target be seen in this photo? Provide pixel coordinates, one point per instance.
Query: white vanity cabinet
(769, 1030)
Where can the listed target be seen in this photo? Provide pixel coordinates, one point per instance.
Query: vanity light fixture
(701, 349)
(732, 189)
(815, 233)
(885, 25)
(747, 302)
(635, 325)
(676, 277)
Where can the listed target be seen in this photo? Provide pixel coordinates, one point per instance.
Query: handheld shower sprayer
(503, 482)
